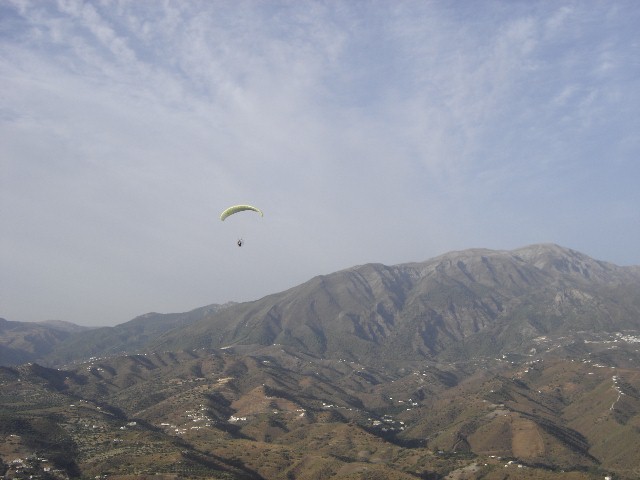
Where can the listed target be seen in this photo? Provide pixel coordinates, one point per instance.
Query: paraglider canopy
(239, 208)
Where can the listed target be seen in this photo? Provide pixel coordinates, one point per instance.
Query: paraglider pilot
(240, 242)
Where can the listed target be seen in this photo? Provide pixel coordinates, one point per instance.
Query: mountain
(478, 364)
(22, 342)
(130, 336)
(458, 305)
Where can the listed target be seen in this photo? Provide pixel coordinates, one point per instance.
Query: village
(31, 467)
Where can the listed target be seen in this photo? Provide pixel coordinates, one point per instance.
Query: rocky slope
(458, 305)
(476, 364)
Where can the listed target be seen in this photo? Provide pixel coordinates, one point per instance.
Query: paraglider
(239, 208)
(236, 209)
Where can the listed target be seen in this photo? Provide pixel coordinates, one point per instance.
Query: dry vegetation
(473, 365)
(208, 414)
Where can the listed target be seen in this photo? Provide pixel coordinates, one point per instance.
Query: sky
(366, 131)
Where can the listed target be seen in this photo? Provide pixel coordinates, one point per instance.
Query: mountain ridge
(429, 305)
(474, 364)
(461, 303)
(22, 342)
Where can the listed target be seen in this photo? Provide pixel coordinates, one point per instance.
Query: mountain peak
(555, 259)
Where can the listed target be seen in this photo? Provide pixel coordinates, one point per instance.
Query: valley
(219, 414)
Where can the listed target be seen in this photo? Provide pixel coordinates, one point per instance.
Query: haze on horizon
(366, 131)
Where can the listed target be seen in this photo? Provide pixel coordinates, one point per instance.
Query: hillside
(127, 337)
(280, 413)
(478, 364)
(22, 342)
(458, 305)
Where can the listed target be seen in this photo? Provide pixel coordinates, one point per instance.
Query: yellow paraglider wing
(239, 208)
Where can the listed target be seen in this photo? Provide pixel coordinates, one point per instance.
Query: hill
(478, 364)
(130, 336)
(458, 305)
(22, 342)
(281, 413)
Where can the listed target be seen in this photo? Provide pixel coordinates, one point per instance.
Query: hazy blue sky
(367, 131)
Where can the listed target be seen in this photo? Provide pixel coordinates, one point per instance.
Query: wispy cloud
(386, 131)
